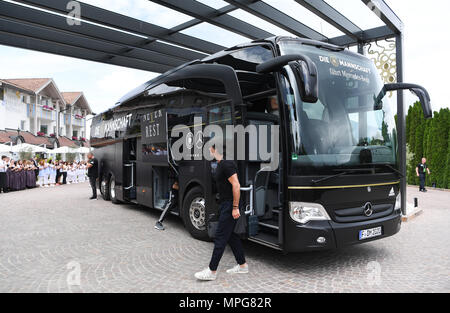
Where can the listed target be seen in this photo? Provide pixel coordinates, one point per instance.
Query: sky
(426, 46)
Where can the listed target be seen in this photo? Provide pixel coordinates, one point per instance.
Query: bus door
(265, 221)
(153, 163)
(129, 169)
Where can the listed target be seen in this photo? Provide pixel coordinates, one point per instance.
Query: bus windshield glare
(346, 127)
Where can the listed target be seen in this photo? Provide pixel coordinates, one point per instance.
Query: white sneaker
(206, 274)
(238, 270)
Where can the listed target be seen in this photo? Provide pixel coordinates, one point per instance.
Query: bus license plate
(370, 233)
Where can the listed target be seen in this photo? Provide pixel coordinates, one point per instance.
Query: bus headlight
(303, 212)
(398, 202)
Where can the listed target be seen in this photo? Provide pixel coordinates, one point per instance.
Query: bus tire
(111, 190)
(104, 189)
(194, 214)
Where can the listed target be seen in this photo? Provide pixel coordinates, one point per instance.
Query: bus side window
(219, 115)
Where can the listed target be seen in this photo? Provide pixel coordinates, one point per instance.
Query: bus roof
(210, 59)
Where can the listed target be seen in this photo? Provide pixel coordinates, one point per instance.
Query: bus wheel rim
(103, 186)
(197, 213)
(112, 192)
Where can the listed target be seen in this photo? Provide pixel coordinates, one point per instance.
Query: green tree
(70, 157)
(25, 154)
(429, 139)
(447, 165)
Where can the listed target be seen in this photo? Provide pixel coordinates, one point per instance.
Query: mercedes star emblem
(368, 210)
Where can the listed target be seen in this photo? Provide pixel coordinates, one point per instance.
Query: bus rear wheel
(194, 214)
(112, 190)
(104, 189)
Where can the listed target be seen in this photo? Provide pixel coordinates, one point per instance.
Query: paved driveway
(56, 240)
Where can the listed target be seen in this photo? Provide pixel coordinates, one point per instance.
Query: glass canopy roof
(158, 35)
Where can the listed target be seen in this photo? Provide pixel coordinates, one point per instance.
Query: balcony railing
(46, 113)
(77, 120)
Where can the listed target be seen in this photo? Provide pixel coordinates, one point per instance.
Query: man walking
(229, 191)
(421, 171)
(93, 174)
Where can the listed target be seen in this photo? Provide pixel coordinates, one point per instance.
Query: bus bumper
(337, 235)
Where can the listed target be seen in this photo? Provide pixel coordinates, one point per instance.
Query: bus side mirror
(419, 91)
(305, 71)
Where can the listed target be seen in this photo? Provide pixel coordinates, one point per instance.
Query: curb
(411, 213)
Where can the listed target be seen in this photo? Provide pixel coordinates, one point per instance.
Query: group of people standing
(55, 173)
(17, 175)
(23, 174)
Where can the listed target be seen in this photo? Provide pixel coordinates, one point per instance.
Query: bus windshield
(347, 127)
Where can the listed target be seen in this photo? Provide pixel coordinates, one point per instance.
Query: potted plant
(78, 116)
(40, 134)
(48, 108)
(83, 139)
(52, 135)
(74, 138)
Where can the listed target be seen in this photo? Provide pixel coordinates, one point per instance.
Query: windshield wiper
(388, 166)
(330, 177)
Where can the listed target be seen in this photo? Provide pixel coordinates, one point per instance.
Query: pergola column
(401, 132)
(71, 122)
(57, 119)
(35, 130)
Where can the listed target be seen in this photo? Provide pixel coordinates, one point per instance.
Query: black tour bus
(338, 180)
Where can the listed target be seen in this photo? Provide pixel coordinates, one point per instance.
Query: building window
(44, 129)
(22, 125)
(2, 93)
(75, 133)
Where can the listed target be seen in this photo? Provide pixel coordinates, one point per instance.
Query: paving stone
(50, 235)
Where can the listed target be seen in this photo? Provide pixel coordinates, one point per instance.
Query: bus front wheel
(194, 214)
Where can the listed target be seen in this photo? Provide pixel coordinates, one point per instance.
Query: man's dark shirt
(225, 169)
(422, 169)
(93, 170)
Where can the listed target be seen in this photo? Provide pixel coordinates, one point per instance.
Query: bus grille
(350, 215)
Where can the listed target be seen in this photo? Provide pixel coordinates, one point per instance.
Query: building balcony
(43, 112)
(77, 120)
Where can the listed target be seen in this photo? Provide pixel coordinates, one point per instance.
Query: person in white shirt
(3, 180)
(40, 181)
(52, 174)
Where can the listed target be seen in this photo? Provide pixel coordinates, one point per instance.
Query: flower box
(52, 135)
(79, 116)
(83, 139)
(48, 108)
(74, 138)
(40, 134)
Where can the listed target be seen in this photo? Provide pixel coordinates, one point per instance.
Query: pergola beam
(19, 41)
(16, 18)
(370, 35)
(207, 14)
(332, 16)
(195, 21)
(110, 49)
(278, 18)
(125, 23)
(385, 13)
